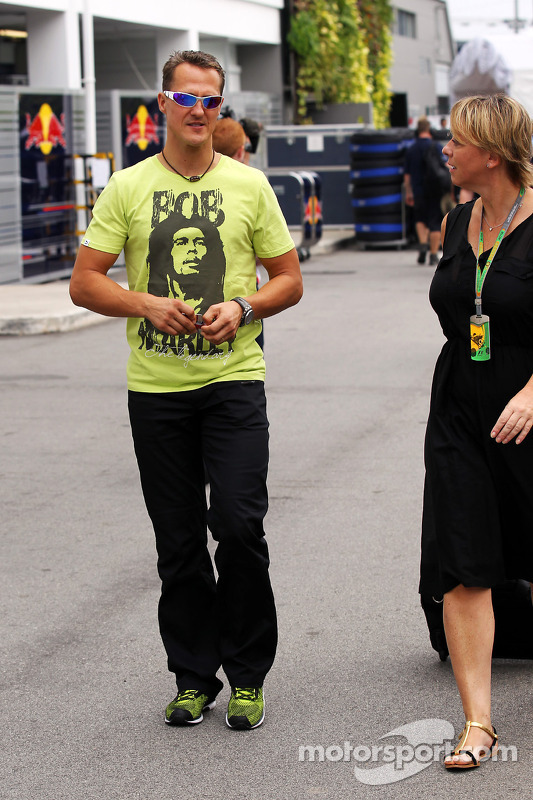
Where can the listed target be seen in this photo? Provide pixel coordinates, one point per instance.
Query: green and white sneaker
(187, 708)
(246, 709)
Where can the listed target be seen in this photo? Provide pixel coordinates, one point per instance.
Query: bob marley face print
(188, 251)
(186, 260)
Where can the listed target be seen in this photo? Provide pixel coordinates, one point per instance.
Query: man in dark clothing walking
(423, 193)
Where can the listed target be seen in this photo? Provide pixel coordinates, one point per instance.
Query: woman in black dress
(478, 499)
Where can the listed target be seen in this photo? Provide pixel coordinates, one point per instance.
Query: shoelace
(245, 694)
(188, 694)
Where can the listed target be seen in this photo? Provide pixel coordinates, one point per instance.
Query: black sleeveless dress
(477, 527)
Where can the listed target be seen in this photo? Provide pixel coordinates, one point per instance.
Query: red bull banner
(48, 204)
(142, 129)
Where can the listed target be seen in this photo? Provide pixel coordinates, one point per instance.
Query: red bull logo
(45, 131)
(313, 211)
(142, 129)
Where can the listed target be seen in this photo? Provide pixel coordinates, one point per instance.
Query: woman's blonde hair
(499, 125)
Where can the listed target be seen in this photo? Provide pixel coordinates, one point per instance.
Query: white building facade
(145, 33)
(423, 53)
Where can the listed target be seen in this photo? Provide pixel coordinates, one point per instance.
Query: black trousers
(207, 621)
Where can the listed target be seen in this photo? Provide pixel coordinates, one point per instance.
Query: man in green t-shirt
(191, 223)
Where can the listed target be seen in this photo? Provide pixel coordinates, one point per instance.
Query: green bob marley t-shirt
(195, 241)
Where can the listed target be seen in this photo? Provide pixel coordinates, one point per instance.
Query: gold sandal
(475, 762)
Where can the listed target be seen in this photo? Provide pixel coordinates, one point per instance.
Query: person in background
(478, 502)
(252, 129)
(425, 199)
(196, 384)
(230, 139)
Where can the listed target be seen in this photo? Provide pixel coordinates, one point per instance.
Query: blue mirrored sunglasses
(190, 100)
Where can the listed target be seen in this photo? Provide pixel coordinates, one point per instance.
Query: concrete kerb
(31, 326)
(27, 310)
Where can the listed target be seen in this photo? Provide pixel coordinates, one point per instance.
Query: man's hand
(516, 418)
(170, 315)
(221, 322)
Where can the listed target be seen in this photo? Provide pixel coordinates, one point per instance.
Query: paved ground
(83, 676)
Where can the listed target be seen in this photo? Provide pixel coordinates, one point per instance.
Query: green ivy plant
(343, 51)
(377, 19)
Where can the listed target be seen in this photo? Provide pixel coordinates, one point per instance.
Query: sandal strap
(470, 724)
(464, 736)
(460, 750)
(467, 753)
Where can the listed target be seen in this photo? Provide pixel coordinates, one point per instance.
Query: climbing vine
(377, 19)
(343, 53)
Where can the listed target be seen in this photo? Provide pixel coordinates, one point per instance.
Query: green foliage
(377, 18)
(343, 50)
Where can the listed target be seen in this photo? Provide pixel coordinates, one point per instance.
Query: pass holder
(479, 336)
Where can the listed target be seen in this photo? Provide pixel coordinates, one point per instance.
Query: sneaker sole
(181, 723)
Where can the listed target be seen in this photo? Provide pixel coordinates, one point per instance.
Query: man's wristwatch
(247, 311)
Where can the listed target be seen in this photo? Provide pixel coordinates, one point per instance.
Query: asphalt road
(83, 674)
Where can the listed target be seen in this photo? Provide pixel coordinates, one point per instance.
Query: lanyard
(481, 275)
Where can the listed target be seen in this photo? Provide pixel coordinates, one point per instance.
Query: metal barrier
(91, 174)
(299, 195)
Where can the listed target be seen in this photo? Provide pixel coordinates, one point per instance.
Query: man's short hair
(423, 125)
(195, 57)
(228, 136)
(252, 130)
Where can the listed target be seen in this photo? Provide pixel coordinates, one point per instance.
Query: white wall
(413, 71)
(53, 49)
(234, 19)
